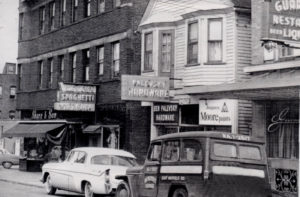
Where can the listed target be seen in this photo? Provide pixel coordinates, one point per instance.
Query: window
(72, 156)
(101, 160)
(86, 64)
(42, 20)
(116, 59)
(11, 69)
(19, 76)
(12, 91)
(286, 51)
(50, 77)
(225, 150)
(148, 57)
(123, 161)
(100, 60)
(155, 152)
(21, 25)
(193, 43)
(87, 8)
(100, 6)
(61, 61)
(249, 152)
(73, 58)
(192, 150)
(166, 52)
(51, 15)
(117, 3)
(1, 91)
(41, 70)
(215, 45)
(80, 157)
(74, 10)
(12, 114)
(63, 11)
(171, 151)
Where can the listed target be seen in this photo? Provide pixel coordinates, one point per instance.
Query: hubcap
(123, 193)
(88, 191)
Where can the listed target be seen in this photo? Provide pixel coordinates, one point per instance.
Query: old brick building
(82, 43)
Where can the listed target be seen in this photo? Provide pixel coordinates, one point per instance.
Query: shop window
(148, 56)
(190, 114)
(61, 60)
(192, 150)
(74, 10)
(192, 43)
(100, 60)
(51, 15)
(166, 51)
(63, 11)
(86, 64)
(12, 92)
(115, 59)
(42, 20)
(155, 152)
(12, 114)
(100, 6)
(171, 151)
(87, 8)
(215, 41)
(73, 67)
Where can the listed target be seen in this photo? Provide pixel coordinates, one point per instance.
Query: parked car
(87, 170)
(7, 159)
(210, 164)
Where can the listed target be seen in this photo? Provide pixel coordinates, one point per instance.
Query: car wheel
(48, 186)
(180, 192)
(88, 190)
(7, 164)
(123, 190)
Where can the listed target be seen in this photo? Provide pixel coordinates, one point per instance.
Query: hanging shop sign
(216, 112)
(282, 20)
(141, 88)
(72, 97)
(166, 113)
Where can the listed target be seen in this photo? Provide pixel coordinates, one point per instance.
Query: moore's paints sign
(282, 18)
(141, 88)
(72, 97)
(216, 112)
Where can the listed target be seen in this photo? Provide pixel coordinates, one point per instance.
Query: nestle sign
(141, 88)
(283, 20)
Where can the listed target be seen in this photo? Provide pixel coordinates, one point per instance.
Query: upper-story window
(63, 11)
(42, 20)
(87, 8)
(116, 3)
(73, 58)
(275, 52)
(100, 6)
(12, 114)
(51, 15)
(166, 51)
(86, 64)
(11, 69)
(115, 59)
(50, 77)
(12, 92)
(74, 10)
(100, 60)
(192, 43)
(148, 56)
(215, 40)
(19, 76)
(1, 91)
(61, 63)
(41, 72)
(21, 25)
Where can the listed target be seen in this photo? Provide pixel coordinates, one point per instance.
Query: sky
(8, 31)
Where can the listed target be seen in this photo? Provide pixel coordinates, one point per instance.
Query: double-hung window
(100, 60)
(74, 10)
(148, 56)
(42, 20)
(41, 72)
(87, 8)
(61, 67)
(117, 3)
(50, 77)
(193, 43)
(166, 51)
(100, 6)
(86, 64)
(73, 56)
(52, 15)
(115, 59)
(63, 11)
(215, 40)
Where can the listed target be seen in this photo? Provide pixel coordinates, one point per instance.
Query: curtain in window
(166, 52)
(215, 40)
(215, 51)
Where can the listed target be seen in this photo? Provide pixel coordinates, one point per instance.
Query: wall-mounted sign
(281, 118)
(216, 112)
(43, 115)
(141, 88)
(166, 113)
(72, 97)
(282, 18)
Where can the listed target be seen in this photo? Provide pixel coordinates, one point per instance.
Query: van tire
(123, 190)
(180, 192)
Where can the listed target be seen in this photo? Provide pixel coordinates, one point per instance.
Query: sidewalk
(13, 175)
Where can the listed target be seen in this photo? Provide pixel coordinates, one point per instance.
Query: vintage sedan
(7, 159)
(87, 170)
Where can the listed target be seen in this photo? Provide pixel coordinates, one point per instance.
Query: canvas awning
(93, 129)
(31, 130)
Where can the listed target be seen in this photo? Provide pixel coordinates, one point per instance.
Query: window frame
(52, 15)
(74, 13)
(42, 18)
(41, 73)
(86, 64)
(191, 43)
(100, 61)
(87, 8)
(61, 60)
(209, 41)
(63, 11)
(171, 52)
(12, 91)
(148, 53)
(73, 67)
(100, 9)
(51, 67)
(116, 61)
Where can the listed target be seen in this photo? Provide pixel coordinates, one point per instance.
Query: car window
(123, 161)
(225, 150)
(154, 152)
(171, 150)
(101, 160)
(80, 157)
(72, 156)
(249, 152)
(192, 150)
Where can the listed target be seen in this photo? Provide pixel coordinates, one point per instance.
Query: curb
(20, 183)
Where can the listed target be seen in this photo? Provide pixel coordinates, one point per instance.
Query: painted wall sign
(282, 20)
(141, 88)
(166, 113)
(216, 112)
(43, 115)
(71, 97)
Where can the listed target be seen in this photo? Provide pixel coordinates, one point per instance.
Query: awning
(31, 130)
(93, 129)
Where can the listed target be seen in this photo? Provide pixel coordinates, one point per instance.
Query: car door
(79, 171)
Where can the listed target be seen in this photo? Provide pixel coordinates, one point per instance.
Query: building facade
(66, 49)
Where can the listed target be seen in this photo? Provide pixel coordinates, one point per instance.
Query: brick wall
(6, 102)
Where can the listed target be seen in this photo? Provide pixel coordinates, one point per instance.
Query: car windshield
(113, 160)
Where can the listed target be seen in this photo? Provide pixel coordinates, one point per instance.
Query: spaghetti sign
(283, 20)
